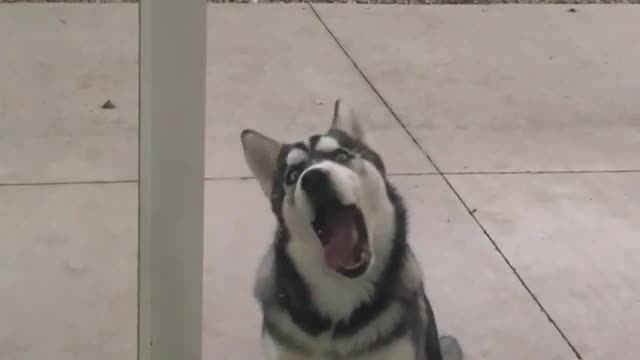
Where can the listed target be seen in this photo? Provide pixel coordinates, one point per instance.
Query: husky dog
(339, 282)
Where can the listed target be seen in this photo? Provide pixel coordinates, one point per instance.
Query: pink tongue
(338, 251)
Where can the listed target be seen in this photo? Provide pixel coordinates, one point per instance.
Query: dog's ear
(261, 154)
(345, 119)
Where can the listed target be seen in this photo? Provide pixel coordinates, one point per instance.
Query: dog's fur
(310, 311)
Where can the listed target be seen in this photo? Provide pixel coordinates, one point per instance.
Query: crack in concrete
(392, 175)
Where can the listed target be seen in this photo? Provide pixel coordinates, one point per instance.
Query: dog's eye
(292, 176)
(342, 156)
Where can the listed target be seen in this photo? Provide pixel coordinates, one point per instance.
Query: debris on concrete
(108, 105)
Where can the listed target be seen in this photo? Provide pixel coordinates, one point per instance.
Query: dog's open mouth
(343, 234)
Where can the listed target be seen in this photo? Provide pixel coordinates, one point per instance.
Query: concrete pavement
(513, 132)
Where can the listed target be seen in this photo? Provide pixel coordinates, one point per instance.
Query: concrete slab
(475, 295)
(279, 75)
(61, 63)
(505, 88)
(574, 240)
(68, 272)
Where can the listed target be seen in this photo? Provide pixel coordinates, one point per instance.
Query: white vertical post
(171, 178)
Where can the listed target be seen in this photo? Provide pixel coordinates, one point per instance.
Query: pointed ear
(261, 154)
(344, 118)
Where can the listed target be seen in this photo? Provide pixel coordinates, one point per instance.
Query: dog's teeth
(365, 255)
(363, 258)
(354, 266)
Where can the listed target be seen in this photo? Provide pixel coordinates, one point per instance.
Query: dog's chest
(401, 349)
(376, 340)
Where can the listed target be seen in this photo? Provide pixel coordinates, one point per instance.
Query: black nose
(316, 183)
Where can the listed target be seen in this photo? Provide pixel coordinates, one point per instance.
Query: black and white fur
(310, 311)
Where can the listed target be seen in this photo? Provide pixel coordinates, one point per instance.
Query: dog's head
(328, 191)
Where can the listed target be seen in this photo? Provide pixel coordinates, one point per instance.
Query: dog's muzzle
(340, 227)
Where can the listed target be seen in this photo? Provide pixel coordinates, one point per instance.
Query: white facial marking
(367, 190)
(327, 144)
(333, 294)
(296, 156)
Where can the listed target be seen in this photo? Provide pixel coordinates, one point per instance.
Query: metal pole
(171, 178)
